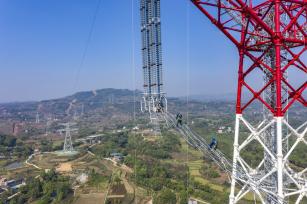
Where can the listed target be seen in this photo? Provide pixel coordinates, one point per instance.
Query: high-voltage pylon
(37, 118)
(154, 99)
(271, 40)
(68, 146)
(48, 124)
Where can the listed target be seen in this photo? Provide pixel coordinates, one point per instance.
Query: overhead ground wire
(134, 91)
(87, 43)
(187, 86)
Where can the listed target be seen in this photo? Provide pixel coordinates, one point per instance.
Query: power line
(87, 43)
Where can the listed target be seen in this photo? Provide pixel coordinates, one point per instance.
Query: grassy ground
(194, 161)
(92, 198)
(194, 167)
(193, 158)
(24, 172)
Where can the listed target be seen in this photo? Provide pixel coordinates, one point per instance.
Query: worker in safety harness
(213, 144)
(160, 107)
(179, 119)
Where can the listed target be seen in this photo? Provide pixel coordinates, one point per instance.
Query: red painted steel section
(247, 26)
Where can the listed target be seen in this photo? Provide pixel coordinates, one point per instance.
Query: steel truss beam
(245, 27)
(294, 181)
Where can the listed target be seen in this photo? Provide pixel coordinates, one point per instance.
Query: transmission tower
(75, 117)
(154, 99)
(68, 147)
(48, 124)
(271, 39)
(37, 118)
(82, 109)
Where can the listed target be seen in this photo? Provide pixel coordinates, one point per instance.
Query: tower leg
(142, 108)
(235, 158)
(279, 155)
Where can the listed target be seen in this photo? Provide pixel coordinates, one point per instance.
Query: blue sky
(42, 43)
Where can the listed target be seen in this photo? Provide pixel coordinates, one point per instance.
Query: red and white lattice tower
(271, 40)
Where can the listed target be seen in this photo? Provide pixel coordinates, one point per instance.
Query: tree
(35, 189)
(166, 196)
(51, 175)
(183, 196)
(117, 180)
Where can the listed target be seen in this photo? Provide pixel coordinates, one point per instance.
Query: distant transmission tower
(82, 110)
(111, 99)
(68, 146)
(48, 123)
(154, 99)
(37, 118)
(75, 117)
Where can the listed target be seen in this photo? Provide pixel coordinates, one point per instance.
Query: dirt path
(200, 201)
(31, 164)
(128, 187)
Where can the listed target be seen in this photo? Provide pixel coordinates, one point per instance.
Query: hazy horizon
(194, 96)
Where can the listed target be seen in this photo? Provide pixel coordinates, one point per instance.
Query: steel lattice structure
(154, 99)
(68, 145)
(271, 40)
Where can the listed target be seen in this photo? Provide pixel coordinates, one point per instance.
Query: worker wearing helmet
(213, 144)
(179, 119)
(160, 107)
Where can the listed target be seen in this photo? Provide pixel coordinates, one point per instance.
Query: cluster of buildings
(13, 184)
(92, 139)
(224, 129)
(117, 157)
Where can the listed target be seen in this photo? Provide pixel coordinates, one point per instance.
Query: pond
(14, 165)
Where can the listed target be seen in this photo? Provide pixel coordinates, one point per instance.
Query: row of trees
(8, 141)
(112, 143)
(50, 187)
(11, 146)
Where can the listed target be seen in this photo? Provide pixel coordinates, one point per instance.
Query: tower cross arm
(301, 2)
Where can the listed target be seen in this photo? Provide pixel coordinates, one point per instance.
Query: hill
(114, 108)
(108, 107)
